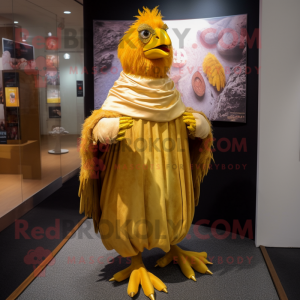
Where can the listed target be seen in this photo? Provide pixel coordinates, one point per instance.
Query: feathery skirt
(147, 197)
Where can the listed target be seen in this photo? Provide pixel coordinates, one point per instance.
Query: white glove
(106, 131)
(202, 126)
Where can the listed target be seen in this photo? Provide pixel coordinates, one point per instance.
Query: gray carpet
(87, 278)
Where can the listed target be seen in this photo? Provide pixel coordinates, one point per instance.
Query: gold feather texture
(214, 71)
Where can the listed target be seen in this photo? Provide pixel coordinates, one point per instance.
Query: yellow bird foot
(152, 297)
(187, 261)
(138, 275)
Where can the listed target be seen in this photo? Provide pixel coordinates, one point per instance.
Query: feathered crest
(148, 16)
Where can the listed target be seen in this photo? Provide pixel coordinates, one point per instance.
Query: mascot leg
(139, 275)
(187, 260)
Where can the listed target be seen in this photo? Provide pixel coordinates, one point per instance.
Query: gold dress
(147, 197)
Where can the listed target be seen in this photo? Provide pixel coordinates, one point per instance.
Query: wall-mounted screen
(16, 56)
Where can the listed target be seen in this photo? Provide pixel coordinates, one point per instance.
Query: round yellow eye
(144, 34)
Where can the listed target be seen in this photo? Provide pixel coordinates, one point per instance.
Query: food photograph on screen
(209, 63)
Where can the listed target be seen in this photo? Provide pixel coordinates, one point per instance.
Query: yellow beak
(158, 46)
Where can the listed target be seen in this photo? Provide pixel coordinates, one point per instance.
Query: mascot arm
(197, 125)
(202, 126)
(111, 130)
(106, 130)
(90, 183)
(200, 148)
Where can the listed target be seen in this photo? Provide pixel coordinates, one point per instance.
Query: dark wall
(225, 194)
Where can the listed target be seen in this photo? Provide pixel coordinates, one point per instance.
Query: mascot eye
(144, 34)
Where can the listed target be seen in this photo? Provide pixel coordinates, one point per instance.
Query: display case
(20, 150)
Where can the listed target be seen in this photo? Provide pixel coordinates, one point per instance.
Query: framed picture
(53, 94)
(52, 43)
(12, 97)
(52, 61)
(53, 78)
(54, 112)
(209, 63)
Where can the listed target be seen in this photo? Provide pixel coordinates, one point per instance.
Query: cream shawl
(149, 99)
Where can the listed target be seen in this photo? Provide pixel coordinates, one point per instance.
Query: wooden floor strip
(280, 291)
(42, 266)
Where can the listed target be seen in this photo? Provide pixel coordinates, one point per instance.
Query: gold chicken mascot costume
(144, 155)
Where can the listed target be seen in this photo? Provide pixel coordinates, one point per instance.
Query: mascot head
(146, 48)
